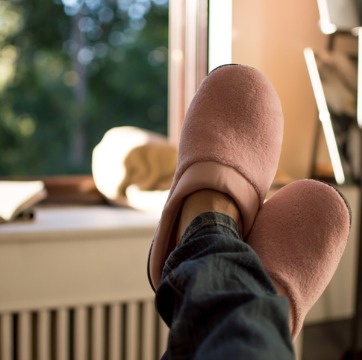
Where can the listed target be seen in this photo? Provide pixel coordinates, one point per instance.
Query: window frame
(187, 66)
(188, 57)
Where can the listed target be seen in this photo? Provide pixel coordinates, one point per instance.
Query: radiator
(114, 331)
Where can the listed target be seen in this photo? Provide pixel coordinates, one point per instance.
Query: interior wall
(271, 36)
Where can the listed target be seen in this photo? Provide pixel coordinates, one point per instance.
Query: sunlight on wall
(220, 33)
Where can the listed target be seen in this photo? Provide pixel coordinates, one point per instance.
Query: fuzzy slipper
(230, 142)
(300, 235)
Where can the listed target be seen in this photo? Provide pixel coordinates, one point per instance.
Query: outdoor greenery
(72, 69)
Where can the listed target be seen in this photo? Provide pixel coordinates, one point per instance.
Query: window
(72, 69)
(50, 123)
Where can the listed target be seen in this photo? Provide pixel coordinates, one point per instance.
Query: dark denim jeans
(217, 299)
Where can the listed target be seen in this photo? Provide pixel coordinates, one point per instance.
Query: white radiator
(122, 331)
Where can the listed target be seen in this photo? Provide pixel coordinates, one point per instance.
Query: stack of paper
(17, 197)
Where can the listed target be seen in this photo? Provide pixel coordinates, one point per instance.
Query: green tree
(74, 69)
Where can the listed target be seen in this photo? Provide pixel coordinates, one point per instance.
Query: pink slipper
(300, 235)
(230, 142)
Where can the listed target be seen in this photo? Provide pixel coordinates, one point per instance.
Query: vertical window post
(188, 49)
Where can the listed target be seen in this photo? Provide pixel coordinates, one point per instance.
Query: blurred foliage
(72, 69)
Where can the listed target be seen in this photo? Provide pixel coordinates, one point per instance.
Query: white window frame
(188, 57)
(200, 39)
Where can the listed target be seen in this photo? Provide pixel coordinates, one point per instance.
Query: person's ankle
(204, 201)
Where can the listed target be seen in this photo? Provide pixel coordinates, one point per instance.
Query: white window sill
(82, 221)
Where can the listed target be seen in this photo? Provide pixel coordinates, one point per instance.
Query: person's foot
(300, 235)
(204, 201)
(230, 143)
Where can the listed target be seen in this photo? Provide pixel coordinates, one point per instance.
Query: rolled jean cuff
(210, 222)
(215, 234)
(211, 225)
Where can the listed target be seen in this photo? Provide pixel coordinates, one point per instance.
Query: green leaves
(67, 76)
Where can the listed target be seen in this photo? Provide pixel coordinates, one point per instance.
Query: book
(18, 198)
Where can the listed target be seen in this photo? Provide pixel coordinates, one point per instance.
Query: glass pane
(72, 69)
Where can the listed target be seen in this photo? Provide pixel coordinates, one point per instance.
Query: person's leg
(230, 144)
(214, 294)
(213, 291)
(220, 300)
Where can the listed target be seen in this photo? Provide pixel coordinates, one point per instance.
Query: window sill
(54, 222)
(67, 189)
